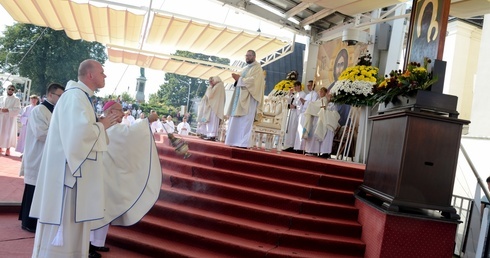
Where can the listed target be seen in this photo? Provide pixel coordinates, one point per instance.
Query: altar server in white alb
(36, 133)
(69, 194)
(156, 126)
(328, 122)
(211, 109)
(312, 95)
(24, 118)
(168, 124)
(321, 120)
(132, 162)
(246, 102)
(183, 128)
(9, 110)
(294, 104)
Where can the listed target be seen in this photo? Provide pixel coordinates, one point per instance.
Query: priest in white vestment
(128, 119)
(24, 118)
(141, 117)
(9, 110)
(36, 133)
(211, 109)
(132, 162)
(294, 104)
(168, 124)
(156, 126)
(246, 102)
(125, 120)
(300, 142)
(69, 194)
(183, 128)
(321, 120)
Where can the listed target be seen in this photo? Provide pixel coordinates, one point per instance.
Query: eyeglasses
(59, 95)
(11, 89)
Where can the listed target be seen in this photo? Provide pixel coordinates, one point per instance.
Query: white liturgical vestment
(8, 121)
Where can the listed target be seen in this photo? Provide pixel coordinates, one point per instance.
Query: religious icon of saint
(340, 64)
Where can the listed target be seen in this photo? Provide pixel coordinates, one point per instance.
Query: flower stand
(412, 160)
(355, 135)
(348, 132)
(362, 141)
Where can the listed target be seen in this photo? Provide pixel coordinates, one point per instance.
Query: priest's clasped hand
(235, 76)
(109, 121)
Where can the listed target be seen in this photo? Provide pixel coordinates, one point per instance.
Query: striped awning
(170, 32)
(80, 21)
(171, 64)
(147, 32)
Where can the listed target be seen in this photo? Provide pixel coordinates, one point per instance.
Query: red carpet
(232, 202)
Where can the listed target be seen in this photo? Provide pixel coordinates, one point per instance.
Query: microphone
(290, 104)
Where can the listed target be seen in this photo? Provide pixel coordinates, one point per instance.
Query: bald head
(91, 73)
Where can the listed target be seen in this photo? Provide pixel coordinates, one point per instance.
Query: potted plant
(411, 89)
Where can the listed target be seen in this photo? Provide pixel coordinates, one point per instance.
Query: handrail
(473, 169)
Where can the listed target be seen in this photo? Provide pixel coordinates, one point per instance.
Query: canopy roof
(171, 64)
(325, 15)
(147, 36)
(148, 33)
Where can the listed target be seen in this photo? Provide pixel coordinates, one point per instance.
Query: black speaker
(439, 70)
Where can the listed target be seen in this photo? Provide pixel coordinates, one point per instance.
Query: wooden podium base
(412, 160)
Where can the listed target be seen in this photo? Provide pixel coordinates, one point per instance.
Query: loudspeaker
(439, 70)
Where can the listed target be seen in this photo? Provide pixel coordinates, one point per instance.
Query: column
(480, 124)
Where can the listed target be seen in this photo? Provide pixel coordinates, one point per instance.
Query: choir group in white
(312, 118)
(64, 200)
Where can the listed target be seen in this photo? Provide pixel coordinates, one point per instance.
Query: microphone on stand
(289, 114)
(290, 104)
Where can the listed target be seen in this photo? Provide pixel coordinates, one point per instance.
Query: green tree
(45, 55)
(175, 91)
(127, 98)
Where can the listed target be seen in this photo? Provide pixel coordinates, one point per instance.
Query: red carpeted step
(257, 172)
(197, 145)
(234, 210)
(160, 237)
(320, 179)
(255, 194)
(299, 175)
(232, 202)
(212, 231)
(283, 160)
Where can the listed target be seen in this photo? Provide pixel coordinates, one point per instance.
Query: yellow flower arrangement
(355, 84)
(360, 73)
(282, 88)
